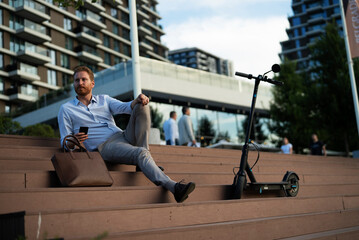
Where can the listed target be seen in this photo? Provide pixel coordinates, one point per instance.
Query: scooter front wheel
(239, 185)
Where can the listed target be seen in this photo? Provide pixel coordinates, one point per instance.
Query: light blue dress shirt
(171, 130)
(97, 116)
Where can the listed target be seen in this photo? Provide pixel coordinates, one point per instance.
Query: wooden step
(343, 233)
(45, 179)
(37, 199)
(16, 140)
(282, 227)
(76, 223)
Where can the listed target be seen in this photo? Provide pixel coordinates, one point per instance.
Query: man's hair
(172, 114)
(184, 109)
(84, 69)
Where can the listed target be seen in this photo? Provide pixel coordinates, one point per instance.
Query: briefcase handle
(73, 139)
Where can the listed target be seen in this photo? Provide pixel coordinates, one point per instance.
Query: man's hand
(81, 136)
(143, 99)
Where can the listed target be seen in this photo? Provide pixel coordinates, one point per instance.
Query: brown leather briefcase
(80, 168)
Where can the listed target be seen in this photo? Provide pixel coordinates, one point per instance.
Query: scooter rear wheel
(293, 181)
(239, 186)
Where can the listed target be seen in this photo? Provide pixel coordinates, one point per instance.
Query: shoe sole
(190, 189)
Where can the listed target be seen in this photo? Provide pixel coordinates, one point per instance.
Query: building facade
(306, 25)
(202, 60)
(41, 42)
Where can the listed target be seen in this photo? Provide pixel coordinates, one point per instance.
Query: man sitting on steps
(116, 146)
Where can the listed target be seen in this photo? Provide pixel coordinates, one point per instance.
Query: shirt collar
(93, 100)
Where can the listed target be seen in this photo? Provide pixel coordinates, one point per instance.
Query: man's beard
(82, 91)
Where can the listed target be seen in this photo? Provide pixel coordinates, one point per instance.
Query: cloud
(251, 43)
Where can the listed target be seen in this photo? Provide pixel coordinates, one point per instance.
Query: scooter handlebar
(245, 75)
(261, 78)
(275, 82)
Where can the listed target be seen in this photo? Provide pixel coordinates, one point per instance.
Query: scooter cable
(257, 148)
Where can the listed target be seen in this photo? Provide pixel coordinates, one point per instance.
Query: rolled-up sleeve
(65, 124)
(118, 107)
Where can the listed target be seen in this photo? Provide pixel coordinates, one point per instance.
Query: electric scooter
(290, 183)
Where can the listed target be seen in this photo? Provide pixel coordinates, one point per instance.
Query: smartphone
(84, 129)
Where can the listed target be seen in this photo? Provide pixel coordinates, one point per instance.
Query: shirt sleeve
(118, 107)
(65, 124)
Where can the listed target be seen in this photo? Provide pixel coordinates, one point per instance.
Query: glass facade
(65, 60)
(2, 85)
(30, 90)
(51, 77)
(28, 68)
(67, 24)
(225, 124)
(52, 55)
(69, 43)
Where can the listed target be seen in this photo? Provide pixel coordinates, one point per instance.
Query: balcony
(31, 10)
(142, 31)
(145, 46)
(141, 15)
(23, 72)
(153, 12)
(114, 3)
(33, 54)
(87, 36)
(33, 32)
(88, 54)
(94, 7)
(26, 94)
(93, 21)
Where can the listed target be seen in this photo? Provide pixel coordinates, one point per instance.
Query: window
(1, 40)
(126, 33)
(116, 45)
(117, 60)
(65, 60)
(1, 62)
(106, 41)
(126, 50)
(67, 24)
(16, 44)
(29, 90)
(2, 83)
(68, 43)
(115, 28)
(125, 18)
(51, 77)
(114, 12)
(1, 23)
(66, 79)
(7, 108)
(107, 59)
(52, 55)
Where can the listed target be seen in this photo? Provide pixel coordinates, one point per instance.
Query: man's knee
(142, 154)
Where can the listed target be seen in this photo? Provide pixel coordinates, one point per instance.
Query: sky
(247, 32)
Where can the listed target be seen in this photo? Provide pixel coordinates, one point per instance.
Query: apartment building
(306, 25)
(202, 60)
(41, 42)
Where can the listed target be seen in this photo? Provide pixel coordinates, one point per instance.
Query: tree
(8, 126)
(334, 100)
(40, 129)
(256, 134)
(318, 100)
(205, 130)
(290, 109)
